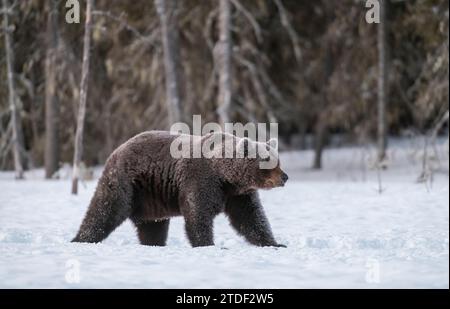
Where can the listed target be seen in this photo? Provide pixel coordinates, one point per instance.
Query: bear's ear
(272, 143)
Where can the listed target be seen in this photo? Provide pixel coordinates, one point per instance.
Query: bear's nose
(284, 177)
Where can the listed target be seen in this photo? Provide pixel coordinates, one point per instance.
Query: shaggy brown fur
(143, 182)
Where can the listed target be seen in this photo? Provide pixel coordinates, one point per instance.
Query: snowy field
(340, 233)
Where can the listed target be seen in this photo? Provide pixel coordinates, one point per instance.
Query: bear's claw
(280, 246)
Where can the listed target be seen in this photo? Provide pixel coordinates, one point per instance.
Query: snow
(339, 230)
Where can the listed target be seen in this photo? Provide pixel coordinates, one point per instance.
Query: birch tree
(168, 15)
(17, 148)
(382, 80)
(223, 61)
(51, 155)
(83, 96)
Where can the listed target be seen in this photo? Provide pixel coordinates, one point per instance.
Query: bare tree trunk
(83, 95)
(108, 127)
(382, 81)
(51, 100)
(319, 143)
(223, 56)
(168, 14)
(17, 148)
(321, 128)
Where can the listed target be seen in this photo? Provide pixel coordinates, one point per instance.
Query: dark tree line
(315, 67)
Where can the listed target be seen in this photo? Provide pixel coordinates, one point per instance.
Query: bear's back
(150, 144)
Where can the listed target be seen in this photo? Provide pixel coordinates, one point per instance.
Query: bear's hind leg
(153, 233)
(107, 210)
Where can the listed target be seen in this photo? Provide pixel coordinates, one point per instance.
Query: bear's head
(245, 164)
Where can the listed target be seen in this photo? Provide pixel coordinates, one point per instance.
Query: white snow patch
(340, 233)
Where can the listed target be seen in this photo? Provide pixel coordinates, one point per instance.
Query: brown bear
(144, 182)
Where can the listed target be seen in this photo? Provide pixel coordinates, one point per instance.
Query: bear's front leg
(248, 219)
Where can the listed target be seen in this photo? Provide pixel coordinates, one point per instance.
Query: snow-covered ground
(339, 230)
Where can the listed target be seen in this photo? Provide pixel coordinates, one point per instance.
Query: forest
(71, 92)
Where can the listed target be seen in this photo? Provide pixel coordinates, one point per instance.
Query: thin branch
(251, 19)
(259, 88)
(441, 122)
(207, 32)
(290, 29)
(148, 39)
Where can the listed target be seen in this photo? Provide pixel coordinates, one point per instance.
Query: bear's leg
(199, 211)
(199, 208)
(247, 217)
(108, 209)
(199, 230)
(153, 233)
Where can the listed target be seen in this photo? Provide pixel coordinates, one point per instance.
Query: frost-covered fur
(143, 182)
